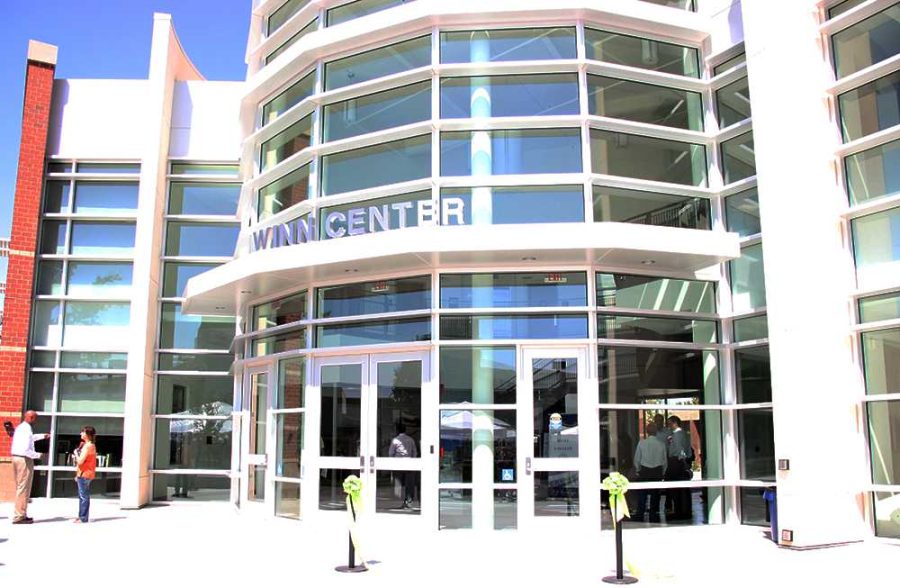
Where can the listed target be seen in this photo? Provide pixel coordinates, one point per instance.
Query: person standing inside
(23, 456)
(679, 468)
(650, 461)
(85, 471)
(404, 446)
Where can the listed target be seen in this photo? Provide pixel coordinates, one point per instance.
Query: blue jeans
(84, 498)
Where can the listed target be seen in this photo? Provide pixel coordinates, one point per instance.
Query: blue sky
(107, 39)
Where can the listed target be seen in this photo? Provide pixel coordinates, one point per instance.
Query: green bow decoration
(617, 485)
(353, 488)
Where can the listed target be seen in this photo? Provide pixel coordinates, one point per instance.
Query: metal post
(620, 577)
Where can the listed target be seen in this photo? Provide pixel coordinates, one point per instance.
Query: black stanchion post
(620, 577)
(351, 566)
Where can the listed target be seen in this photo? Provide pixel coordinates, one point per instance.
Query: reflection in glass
(105, 485)
(645, 103)
(555, 389)
(517, 205)
(216, 170)
(56, 196)
(293, 139)
(754, 508)
(757, 444)
(68, 437)
(399, 412)
(331, 488)
(105, 197)
(730, 63)
(528, 151)
(462, 431)
(478, 374)
(643, 53)
(46, 326)
(398, 492)
(738, 158)
(647, 375)
(885, 509)
(189, 331)
(879, 308)
(556, 494)
(733, 103)
(867, 42)
(287, 500)
(102, 239)
(288, 444)
(881, 361)
(195, 362)
(201, 239)
(92, 325)
(742, 213)
(280, 16)
(41, 359)
(40, 391)
(706, 507)
(753, 374)
(282, 311)
(842, 7)
(870, 108)
(285, 341)
(650, 208)
(176, 275)
(309, 28)
(53, 237)
(203, 199)
(378, 165)
(505, 508)
(876, 241)
(192, 444)
(378, 63)
(374, 332)
(520, 95)
(49, 278)
(357, 9)
(92, 393)
(99, 280)
(109, 168)
(397, 295)
(284, 193)
(513, 290)
(507, 45)
(648, 158)
(292, 96)
(291, 383)
(455, 509)
(873, 173)
(376, 112)
(532, 326)
(655, 293)
(341, 388)
(199, 395)
(750, 328)
(656, 329)
(748, 286)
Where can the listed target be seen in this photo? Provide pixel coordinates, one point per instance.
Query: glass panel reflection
(203, 444)
(341, 388)
(506, 509)
(531, 151)
(742, 213)
(876, 241)
(881, 360)
(704, 506)
(656, 329)
(873, 173)
(556, 494)
(331, 488)
(200, 395)
(293, 139)
(733, 103)
(867, 42)
(378, 63)
(374, 332)
(738, 158)
(533, 326)
(68, 437)
(399, 412)
(455, 509)
(379, 165)
(887, 505)
(513, 290)
(507, 45)
(516, 205)
(291, 382)
(376, 112)
(646, 103)
(478, 374)
(398, 492)
(555, 389)
(757, 444)
(168, 487)
(374, 297)
(522, 95)
(648, 158)
(655, 293)
(650, 208)
(642, 53)
(287, 500)
(288, 444)
(647, 375)
(748, 285)
(870, 108)
(465, 431)
(883, 307)
(748, 329)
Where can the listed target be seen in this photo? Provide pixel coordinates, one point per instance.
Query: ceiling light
(648, 262)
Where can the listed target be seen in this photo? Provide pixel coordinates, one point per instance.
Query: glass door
(557, 424)
(370, 424)
(258, 382)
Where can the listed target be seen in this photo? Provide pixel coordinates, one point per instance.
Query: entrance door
(255, 491)
(557, 425)
(370, 423)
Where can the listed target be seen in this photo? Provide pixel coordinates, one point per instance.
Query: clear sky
(107, 39)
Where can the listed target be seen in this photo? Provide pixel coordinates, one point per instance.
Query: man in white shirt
(23, 456)
(650, 460)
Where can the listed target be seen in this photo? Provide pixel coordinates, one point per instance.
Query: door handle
(371, 464)
(527, 466)
(362, 463)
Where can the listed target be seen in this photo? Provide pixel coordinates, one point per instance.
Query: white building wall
(206, 121)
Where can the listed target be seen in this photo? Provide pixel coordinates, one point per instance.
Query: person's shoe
(28, 518)
(25, 521)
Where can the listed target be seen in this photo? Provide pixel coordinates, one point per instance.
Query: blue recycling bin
(770, 497)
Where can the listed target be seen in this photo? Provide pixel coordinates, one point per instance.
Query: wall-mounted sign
(360, 221)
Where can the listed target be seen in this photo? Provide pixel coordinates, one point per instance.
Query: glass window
(311, 27)
(59, 167)
(454, 506)
(201, 239)
(754, 508)
(105, 197)
(99, 280)
(176, 275)
(650, 208)
(398, 295)
(49, 278)
(843, 7)
(376, 112)
(283, 193)
(192, 444)
(293, 139)
(195, 362)
(507, 45)
(358, 9)
(883, 442)
(648, 158)
(102, 239)
(397, 212)
(295, 94)
(40, 391)
(751, 328)
(92, 325)
(742, 213)
(495, 96)
(533, 151)
(91, 393)
(730, 63)
(733, 103)
(43, 359)
(622, 430)
(205, 169)
(280, 16)
(484, 375)
(879, 308)
(378, 165)
(378, 63)
(109, 168)
(187, 331)
(291, 383)
(204, 199)
(285, 310)
(174, 487)
(873, 173)
(56, 196)
(46, 324)
(513, 290)
(646, 103)
(642, 53)
(655, 293)
(516, 205)
(200, 395)
(458, 433)
(885, 506)
(881, 360)
(94, 361)
(738, 158)
(289, 449)
(109, 438)
(867, 42)
(748, 287)
(757, 444)
(870, 108)
(656, 329)
(876, 241)
(531, 326)
(754, 379)
(649, 375)
(371, 333)
(53, 237)
(287, 341)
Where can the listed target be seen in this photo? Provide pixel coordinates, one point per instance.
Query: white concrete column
(808, 274)
(167, 63)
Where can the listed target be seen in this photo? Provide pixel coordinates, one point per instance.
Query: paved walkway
(212, 543)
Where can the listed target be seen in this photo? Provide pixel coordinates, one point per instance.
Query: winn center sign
(360, 221)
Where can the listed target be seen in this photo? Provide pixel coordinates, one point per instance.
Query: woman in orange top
(86, 462)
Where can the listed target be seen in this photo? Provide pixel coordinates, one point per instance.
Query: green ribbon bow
(353, 488)
(617, 485)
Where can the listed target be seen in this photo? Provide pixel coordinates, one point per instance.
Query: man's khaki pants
(23, 470)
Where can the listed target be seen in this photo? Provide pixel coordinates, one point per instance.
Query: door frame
(267, 459)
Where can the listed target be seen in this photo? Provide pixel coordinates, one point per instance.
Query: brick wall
(23, 244)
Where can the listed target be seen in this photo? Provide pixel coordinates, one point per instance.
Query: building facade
(478, 259)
